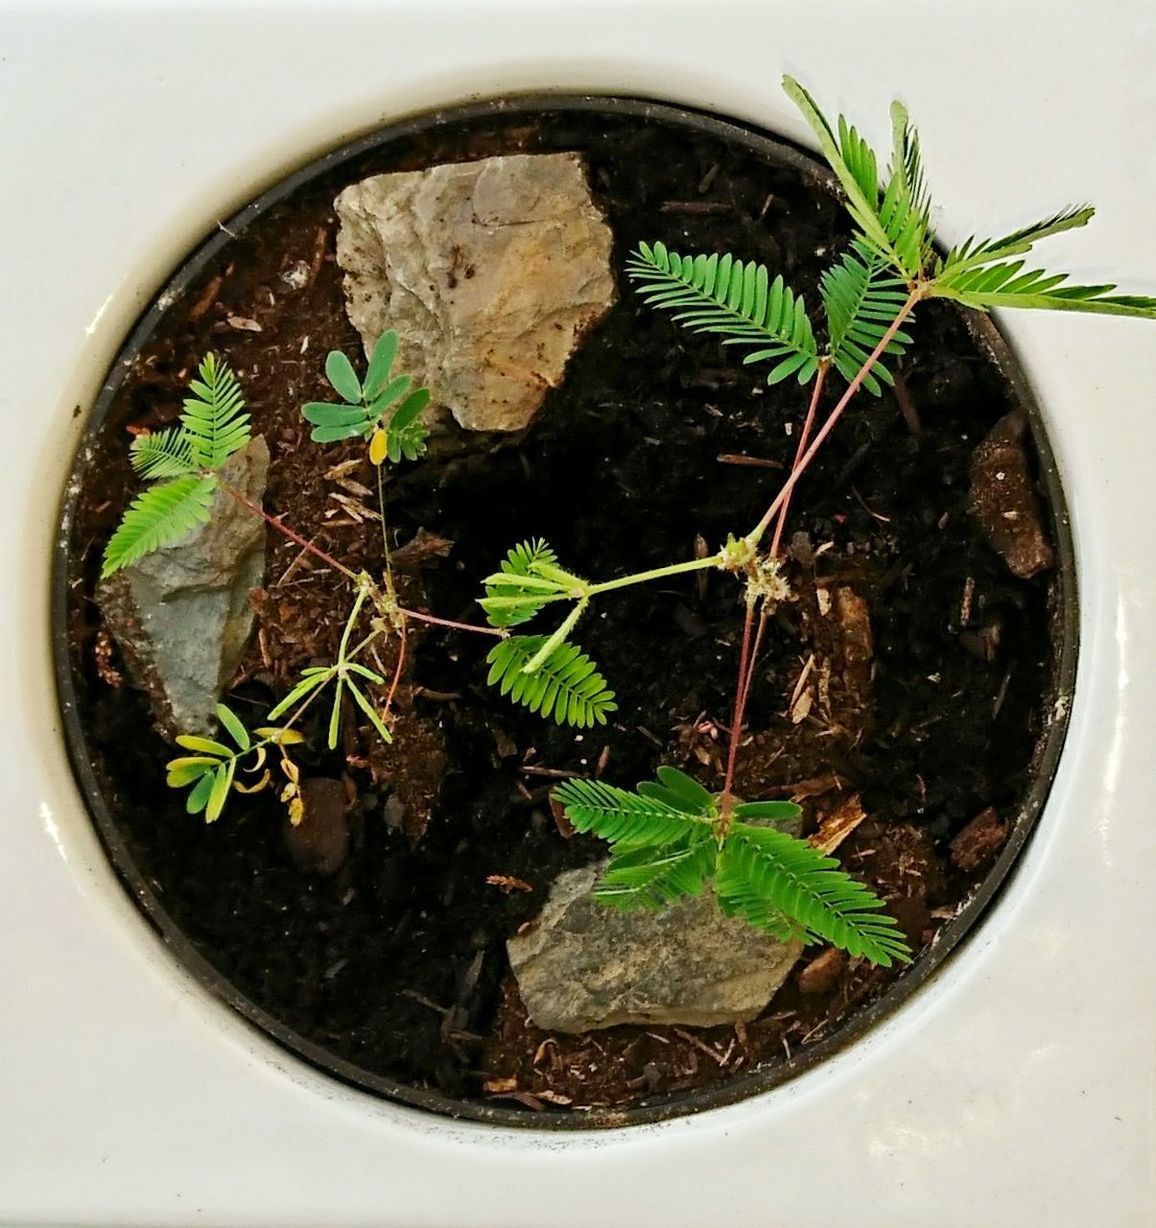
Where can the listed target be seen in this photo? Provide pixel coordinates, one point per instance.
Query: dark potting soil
(396, 962)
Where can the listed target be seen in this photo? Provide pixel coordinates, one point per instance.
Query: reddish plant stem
(258, 510)
(804, 437)
(776, 542)
(330, 561)
(401, 641)
(748, 654)
(736, 723)
(497, 632)
(835, 414)
(745, 682)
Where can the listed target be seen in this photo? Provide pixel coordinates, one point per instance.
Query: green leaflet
(159, 516)
(566, 685)
(737, 301)
(214, 421)
(213, 427)
(765, 873)
(365, 406)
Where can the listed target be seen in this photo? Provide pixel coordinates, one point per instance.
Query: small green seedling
(672, 838)
(365, 404)
(212, 769)
(342, 674)
(184, 462)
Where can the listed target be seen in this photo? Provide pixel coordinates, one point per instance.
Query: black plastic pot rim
(926, 967)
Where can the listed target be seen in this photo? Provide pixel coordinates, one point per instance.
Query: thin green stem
(657, 573)
(359, 601)
(360, 647)
(567, 625)
(384, 529)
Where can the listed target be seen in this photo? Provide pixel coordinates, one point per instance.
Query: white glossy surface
(1019, 1088)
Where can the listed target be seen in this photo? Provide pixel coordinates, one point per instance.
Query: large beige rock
(583, 965)
(490, 272)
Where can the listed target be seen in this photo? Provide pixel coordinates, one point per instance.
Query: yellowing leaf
(378, 446)
(257, 785)
(279, 736)
(207, 746)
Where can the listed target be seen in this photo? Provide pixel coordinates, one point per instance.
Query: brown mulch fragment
(979, 840)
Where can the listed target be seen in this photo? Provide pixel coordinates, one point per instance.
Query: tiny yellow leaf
(378, 446)
(296, 811)
(280, 736)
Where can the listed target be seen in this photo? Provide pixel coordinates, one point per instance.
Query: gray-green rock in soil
(585, 966)
(490, 271)
(181, 615)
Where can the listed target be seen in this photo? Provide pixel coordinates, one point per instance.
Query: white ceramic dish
(1018, 1087)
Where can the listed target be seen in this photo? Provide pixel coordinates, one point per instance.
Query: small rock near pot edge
(181, 615)
(1003, 499)
(582, 965)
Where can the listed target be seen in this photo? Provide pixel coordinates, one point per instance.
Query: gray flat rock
(585, 966)
(490, 271)
(181, 615)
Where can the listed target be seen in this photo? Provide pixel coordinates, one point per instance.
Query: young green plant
(669, 838)
(868, 298)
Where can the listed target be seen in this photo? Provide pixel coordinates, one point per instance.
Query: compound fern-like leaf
(854, 164)
(861, 298)
(653, 877)
(764, 873)
(905, 207)
(628, 820)
(566, 685)
(159, 517)
(974, 252)
(214, 420)
(1005, 284)
(892, 223)
(737, 301)
(517, 590)
(162, 454)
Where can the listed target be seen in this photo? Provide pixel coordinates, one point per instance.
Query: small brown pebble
(823, 972)
(979, 840)
(320, 842)
(1003, 499)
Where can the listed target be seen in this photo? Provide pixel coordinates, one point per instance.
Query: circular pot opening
(932, 721)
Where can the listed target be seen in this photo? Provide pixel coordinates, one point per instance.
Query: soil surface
(914, 708)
